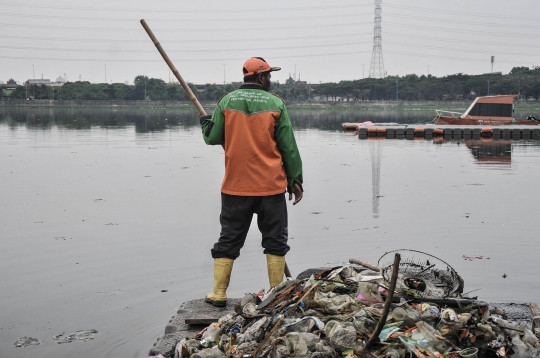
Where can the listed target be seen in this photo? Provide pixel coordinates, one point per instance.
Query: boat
(489, 110)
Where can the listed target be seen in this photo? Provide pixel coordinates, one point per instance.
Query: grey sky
(209, 40)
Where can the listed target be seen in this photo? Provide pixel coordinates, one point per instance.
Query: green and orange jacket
(261, 155)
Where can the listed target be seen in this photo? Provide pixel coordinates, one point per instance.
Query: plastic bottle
(211, 333)
(409, 316)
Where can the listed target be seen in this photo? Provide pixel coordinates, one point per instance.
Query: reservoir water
(107, 218)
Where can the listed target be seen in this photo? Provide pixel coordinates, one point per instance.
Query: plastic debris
(334, 312)
(26, 341)
(82, 335)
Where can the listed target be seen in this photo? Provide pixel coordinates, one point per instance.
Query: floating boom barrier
(414, 131)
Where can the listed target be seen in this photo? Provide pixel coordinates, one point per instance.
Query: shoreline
(187, 105)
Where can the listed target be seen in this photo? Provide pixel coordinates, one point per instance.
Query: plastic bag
(530, 338)
(520, 326)
(429, 334)
(334, 304)
(387, 332)
(463, 318)
(430, 314)
(324, 349)
(251, 332)
(306, 324)
(449, 315)
(340, 335)
(363, 323)
(209, 353)
(298, 345)
(522, 350)
(369, 292)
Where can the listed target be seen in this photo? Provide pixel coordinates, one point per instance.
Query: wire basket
(422, 275)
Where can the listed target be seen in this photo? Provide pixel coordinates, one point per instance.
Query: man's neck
(253, 83)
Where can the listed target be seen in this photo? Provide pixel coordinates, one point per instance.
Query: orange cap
(257, 65)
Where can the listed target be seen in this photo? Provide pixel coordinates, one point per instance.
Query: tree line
(521, 80)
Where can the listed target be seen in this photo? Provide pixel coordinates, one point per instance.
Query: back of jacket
(261, 155)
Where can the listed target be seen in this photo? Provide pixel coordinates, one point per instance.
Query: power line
(214, 59)
(182, 51)
(466, 13)
(446, 29)
(191, 30)
(442, 40)
(204, 59)
(191, 19)
(205, 11)
(243, 40)
(183, 40)
(274, 27)
(259, 49)
(454, 21)
(461, 49)
(445, 57)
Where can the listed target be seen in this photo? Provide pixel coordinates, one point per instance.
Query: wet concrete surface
(98, 221)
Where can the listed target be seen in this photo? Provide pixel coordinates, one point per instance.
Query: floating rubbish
(339, 311)
(26, 341)
(82, 335)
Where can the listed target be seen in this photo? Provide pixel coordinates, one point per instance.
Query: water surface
(102, 211)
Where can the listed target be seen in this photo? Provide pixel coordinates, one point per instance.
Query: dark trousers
(236, 215)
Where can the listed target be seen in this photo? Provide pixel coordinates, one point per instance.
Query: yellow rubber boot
(276, 268)
(222, 275)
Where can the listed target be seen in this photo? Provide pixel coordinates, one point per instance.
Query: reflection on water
(491, 152)
(146, 120)
(485, 151)
(376, 148)
(143, 120)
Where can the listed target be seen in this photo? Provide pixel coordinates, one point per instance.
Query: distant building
(60, 81)
(11, 84)
(38, 81)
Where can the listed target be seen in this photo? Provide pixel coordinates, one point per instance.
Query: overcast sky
(314, 40)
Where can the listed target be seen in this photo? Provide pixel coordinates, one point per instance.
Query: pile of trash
(338, 311)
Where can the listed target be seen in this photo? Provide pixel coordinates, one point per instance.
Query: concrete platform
(191, 317)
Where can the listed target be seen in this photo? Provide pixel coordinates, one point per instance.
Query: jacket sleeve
(289, 150)
(213, 129)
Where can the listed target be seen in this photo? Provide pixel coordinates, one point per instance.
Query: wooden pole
(362, 351)
(191, 96)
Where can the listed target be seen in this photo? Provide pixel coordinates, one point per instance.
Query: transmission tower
(376, 70)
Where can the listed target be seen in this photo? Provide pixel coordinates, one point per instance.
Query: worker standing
(261, 163)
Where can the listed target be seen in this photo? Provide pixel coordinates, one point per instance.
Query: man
(261, 162)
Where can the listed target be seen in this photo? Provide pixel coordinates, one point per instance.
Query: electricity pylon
(376, 70)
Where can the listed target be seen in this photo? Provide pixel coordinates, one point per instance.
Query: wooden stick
(280, 321)
(287, 271)
(191, 96)
(361, 351)
(365, 264)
